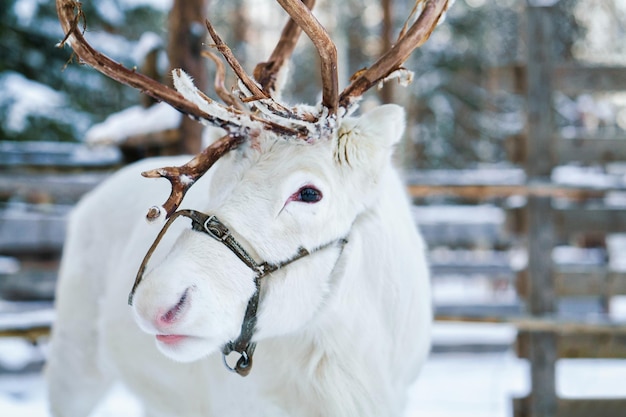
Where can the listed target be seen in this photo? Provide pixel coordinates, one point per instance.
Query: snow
(404, 77)
(25, 396)
(25, 11)
(571, 255)
(9, 265)
(110, 11)
(476, 385)
(606, 380)
(163, 5)
(450, 384)
(616, 245)
(16, 353)
(446, 214)
(469, 333)
(148, 42)
(468, 385)
(584, 176)
(611, 175)
(114, 46)
(481, 175)
(458, 290)
(114, 11)
(135, 120)
(617, 308)
(16, 320)
(44, 153)
(615, 199)
(543, 3)
(27, 98)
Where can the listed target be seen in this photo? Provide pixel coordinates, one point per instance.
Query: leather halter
(213, 227)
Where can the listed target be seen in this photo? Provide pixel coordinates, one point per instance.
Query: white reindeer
(301, 252)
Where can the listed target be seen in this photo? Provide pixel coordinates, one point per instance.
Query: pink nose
(174, 313)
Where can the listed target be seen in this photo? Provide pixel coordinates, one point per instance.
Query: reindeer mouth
(171, 339)
(185, 348)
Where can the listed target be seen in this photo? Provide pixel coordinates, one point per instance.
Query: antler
(326, 49)
(183, 177)
(187, 99)
(388, 64)
(273, 115)
(218, 83)
(392, 60)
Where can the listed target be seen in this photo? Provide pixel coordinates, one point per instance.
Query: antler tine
(392, 60)
(253, 88)
(326, 49)
(183, 177)
(218, 84)
(266, 73)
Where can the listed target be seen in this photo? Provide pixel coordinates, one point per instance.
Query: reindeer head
(276, 198)
(284, 196)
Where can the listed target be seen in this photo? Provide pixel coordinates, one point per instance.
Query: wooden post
(543, 401)
(539, 144)
(541, 301)
(187, 33)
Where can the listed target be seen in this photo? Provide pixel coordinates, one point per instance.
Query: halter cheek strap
(212, 226)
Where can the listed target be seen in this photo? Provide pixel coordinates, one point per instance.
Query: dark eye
(308, 194)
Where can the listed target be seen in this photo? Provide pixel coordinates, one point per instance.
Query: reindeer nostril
(173, 312)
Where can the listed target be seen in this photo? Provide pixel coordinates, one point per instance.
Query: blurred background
(514, 156)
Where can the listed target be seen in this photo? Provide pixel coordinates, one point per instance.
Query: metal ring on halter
(244, 363)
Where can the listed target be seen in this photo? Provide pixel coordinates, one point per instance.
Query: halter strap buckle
(216, 229)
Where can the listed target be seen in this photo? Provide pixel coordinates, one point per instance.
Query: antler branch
(183, 177)
(266, 73)
(273, 116)
(219, 82)
(252, 91)
(250, 84)
(391, 61)
(326, 49)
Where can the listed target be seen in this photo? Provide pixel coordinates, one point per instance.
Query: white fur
(339, 333)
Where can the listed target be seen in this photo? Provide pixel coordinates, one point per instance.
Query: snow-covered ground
(451, 384)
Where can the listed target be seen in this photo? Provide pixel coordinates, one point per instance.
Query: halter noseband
(213, 227)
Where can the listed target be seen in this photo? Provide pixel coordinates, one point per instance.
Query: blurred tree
(454, 119)
(458, 121)
(37, 88)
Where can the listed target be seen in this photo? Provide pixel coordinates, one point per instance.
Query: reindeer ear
(369, 139)
(384, 124)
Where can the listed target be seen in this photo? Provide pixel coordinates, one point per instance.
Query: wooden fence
(553, 213)
(41, 182)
